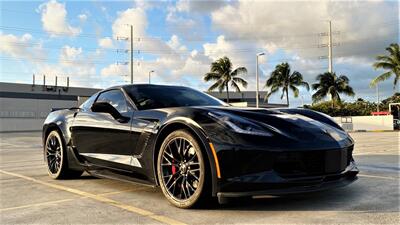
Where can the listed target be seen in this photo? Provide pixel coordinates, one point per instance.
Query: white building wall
(366, 123)
(17, 114)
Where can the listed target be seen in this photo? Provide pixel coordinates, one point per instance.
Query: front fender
(198, 131)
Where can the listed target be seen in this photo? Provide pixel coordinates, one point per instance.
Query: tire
(55, 156)
(183, 171)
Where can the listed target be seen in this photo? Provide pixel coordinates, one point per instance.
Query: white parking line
(379, 177)
(100, 198)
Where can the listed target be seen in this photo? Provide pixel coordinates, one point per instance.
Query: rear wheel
(182, 170)
(56, 158)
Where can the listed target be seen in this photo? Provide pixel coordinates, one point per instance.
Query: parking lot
(29, 196)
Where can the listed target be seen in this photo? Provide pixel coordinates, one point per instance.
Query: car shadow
(338, 199)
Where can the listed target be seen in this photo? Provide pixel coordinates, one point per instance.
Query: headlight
(239, 125)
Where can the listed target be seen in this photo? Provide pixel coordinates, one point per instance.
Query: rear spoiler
(57, 109)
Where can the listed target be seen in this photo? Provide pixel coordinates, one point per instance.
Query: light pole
(257, 79)
(377, 97)
(152, 71)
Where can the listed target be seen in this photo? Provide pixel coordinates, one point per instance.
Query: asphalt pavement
(29, 196)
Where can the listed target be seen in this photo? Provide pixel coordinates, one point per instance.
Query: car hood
(294, 126)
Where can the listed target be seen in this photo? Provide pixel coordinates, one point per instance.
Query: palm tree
(282, 77)
(389, 62)
(221, 72)
(330, 84)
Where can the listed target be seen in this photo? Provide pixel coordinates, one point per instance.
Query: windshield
(154, 97)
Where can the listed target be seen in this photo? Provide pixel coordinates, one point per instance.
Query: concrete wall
(24, 107)
(366, 123)
(18, 114)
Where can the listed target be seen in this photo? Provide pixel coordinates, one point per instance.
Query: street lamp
(152, 71)
(257, 79)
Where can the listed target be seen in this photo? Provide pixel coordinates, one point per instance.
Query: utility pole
(126, 51)
(257, 79)
(131, 53)
(329, 45)
(330, 69)
(44, 82)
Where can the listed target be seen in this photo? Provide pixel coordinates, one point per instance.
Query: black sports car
(196, 147)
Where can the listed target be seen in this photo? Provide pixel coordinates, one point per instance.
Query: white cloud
(131, 16)
(21, 47)
(11, 44)
(180, 22)
(170, 56)
(175, 18)
(106, 42)
(199, 6)
(82, 17)
(146, 4)
(299, 30)
(114, 70)
(175, 44)
(69, 54)
(54, 19)
(72, 63)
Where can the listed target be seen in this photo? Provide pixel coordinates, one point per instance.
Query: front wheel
(182, 170)
(56, 158)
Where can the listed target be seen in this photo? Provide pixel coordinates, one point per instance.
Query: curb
(361, 131)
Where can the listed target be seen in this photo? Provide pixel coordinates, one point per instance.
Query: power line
(173, 51)
(77, 62)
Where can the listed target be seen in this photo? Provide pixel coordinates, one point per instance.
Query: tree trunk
(287, 97)
(333, 101)
(227, 93)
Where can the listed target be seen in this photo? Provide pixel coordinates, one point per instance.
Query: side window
(116, 98)
(88, 103)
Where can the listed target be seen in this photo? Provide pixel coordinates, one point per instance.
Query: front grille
(309, 163)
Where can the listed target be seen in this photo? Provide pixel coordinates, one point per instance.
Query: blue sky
(179, 40)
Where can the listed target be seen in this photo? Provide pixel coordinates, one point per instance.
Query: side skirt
(79, 163)
(110, 174)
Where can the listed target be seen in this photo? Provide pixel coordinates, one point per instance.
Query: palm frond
(316, 86)
(384, 58)
(240, 81)
(319, 95)
(235, 86)
(239, 71)
(216, 85)
(393, 48)
(384, 65)
(348, 91)
(389, 62)
(211, 76)
(306, 85)
(273, 90)
(295, 90)
(382, 77)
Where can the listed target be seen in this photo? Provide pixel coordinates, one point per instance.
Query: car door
(103, 140)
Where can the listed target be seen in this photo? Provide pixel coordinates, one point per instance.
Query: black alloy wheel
(55, 158)
(181, 169)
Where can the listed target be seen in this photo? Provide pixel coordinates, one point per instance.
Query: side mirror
(105, 107)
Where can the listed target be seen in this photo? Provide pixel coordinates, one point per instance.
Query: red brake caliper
(173, 167)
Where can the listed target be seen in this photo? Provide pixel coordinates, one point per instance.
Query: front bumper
(270, 183)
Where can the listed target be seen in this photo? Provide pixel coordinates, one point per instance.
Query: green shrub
(359, 107)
